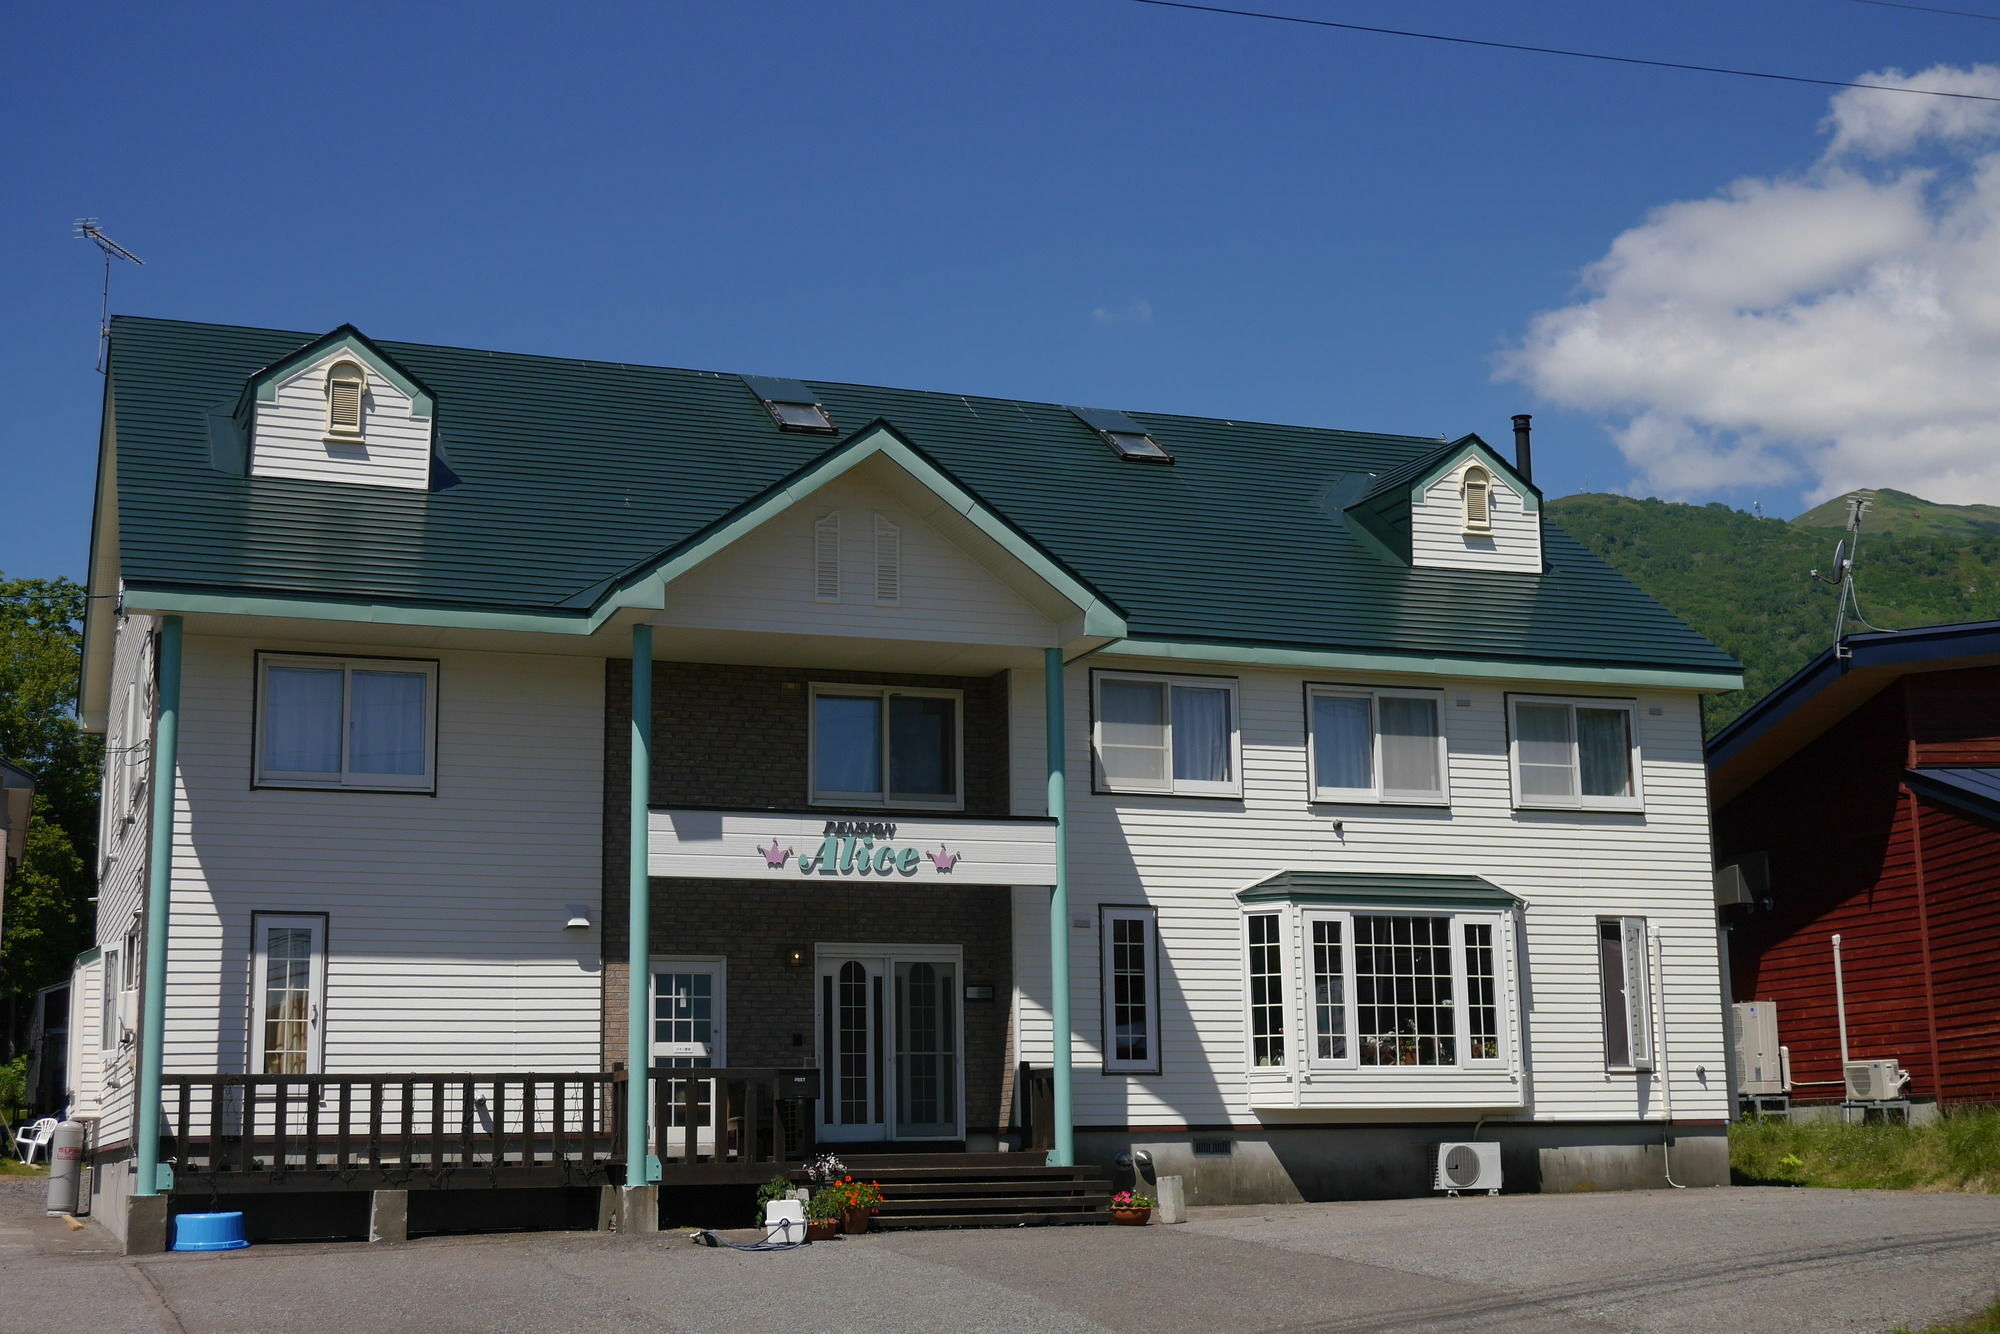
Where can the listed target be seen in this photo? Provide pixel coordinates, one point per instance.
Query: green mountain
(1900, 514)
(1747, 584)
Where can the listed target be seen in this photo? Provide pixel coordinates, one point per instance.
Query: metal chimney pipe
(1524, 459)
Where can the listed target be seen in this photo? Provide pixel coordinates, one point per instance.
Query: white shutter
(1638, 991)
(888, 562)
(826, 558)
(344, 386)
(1478, 502)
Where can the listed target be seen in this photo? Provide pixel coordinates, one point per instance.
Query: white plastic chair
(36, 1136)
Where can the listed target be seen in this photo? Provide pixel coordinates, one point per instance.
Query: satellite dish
(1840, 559)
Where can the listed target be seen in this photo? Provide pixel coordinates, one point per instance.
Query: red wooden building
(1871, 782)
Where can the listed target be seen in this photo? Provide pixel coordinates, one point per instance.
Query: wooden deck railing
(351, 1132)
(723, 1122)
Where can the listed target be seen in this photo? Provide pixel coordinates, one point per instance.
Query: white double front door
(890, 1036)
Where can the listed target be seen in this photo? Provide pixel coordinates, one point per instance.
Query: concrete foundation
(145, 1224)
(1290, 1164)
(629, 1209)
(389, 1215)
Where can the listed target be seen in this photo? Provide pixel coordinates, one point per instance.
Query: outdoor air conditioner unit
(1761, 1069)
(1468, 1166)
(1875, 1081)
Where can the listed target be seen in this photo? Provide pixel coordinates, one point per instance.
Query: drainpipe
(1840, 1005)
(152, 1178)
(640, 1169)
(1064, 1152)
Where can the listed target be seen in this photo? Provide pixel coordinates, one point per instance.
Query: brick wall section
(737, 737)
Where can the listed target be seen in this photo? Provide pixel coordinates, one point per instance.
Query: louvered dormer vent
(346, 383)
(888, 563)
(826, 558)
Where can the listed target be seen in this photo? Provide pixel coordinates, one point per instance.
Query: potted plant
(857, 1200)
(777, 1188)
(1131, 1208)
(822, 1215)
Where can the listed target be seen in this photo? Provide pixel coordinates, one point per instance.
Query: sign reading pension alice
(721, 844)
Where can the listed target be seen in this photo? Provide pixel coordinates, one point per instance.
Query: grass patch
(1989, 1323)
(10, 1167)
(1960, 1151)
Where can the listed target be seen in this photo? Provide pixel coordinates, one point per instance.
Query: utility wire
(1559, 51)
(1930, 9)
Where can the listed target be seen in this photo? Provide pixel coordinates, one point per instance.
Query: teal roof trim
(572, 480)
(264, 384)
(1265, 655)
(1382, 890)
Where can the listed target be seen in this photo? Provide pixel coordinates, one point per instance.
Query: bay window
(887, 746)
(1574, 754)
(1403, 989)
(1369, 744)
(1264, 958)
(367, 723)
(1169, 734)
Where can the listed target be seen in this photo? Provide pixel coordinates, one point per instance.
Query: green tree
(49, 916)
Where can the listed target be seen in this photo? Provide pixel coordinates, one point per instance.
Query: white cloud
(1136, 311)
(1839, 328)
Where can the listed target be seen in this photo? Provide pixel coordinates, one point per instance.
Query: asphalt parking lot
(1740, 1259)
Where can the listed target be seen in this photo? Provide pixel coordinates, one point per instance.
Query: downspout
(1659, 962)
(152, 1178)
(640, 1169)
(1840, 1006)
(1924, 942)
(1063, 1153)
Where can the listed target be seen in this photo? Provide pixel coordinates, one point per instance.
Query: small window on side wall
(346, 386)
(1624, 980)
(1131, 991)
(366, 723)
(1168, 734)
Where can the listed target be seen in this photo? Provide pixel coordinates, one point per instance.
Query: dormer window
(1478, 491)
(793, 406)
(346, 383)
(1130, 439)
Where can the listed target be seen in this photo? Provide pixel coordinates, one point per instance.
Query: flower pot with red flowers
(853, 1202)
(1131, 1208)
(822, 1216)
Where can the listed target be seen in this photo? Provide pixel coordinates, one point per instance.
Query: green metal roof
(1381, 890)
(565, 476)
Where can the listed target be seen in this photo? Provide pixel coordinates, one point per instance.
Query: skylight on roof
(793, 406)
(1130, 439)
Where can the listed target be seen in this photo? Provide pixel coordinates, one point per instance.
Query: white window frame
(1377, 793)
(347, 779)
(1171, 786)
(109, 1031)
(882, 799)
(1148, 918)
(1303, 1031)
(1634, 754)
(1288, 1029)
(1635, 956)
(261, 924)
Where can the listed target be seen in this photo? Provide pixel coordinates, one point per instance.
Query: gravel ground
(1772, 1261)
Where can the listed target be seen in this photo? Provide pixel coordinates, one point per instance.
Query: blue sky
(1092, 201)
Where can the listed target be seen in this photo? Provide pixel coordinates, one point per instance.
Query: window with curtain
(887, 746)
(1579, 754)
(1375, 745)
(1166, 734)
(346, 722)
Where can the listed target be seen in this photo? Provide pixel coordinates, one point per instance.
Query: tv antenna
(1842, 575)
(88, 229)
(1757, 508)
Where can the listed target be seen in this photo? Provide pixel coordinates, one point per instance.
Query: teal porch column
(1064, 1152)
(640, 1169)
(159, 906)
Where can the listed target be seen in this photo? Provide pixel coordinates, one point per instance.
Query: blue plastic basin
(209, 1232)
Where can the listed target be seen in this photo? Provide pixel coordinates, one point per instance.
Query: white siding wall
(104, 1078)
(446, 942)
(1188, 857)
(289, 437)
(1437, 527)
(765, 581)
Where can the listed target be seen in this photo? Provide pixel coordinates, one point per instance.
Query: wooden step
(968, 1174)
(932, 1204)
(1012, 1186)
(1046, 1218)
